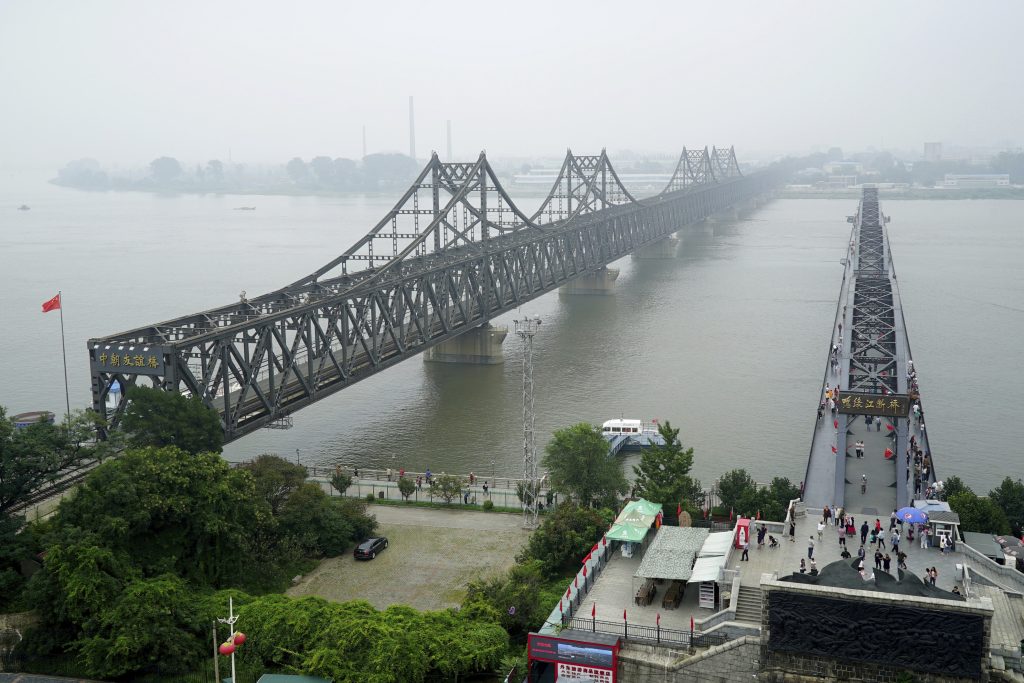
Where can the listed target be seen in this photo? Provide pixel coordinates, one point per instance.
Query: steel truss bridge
(453, 253)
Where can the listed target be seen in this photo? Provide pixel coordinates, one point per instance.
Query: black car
(368, 549)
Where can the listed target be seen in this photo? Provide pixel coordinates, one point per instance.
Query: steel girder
(453, 253)
(873, 364)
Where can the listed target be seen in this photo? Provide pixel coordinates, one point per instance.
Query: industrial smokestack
(412, 130)
(448, 123)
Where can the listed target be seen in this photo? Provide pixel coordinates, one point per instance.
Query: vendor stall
(633, 524)
(669, 558)
(708, 568)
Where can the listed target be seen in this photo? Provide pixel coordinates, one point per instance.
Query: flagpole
(64, 352)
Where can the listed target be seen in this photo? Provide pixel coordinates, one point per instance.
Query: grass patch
(445, 506)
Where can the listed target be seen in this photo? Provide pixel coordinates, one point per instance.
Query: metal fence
(652, 634)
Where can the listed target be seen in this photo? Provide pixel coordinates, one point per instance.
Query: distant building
(843, 168)
(932, 151)
(841, 181)
(968, 180)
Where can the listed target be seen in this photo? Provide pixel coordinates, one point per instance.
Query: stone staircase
(748, 605)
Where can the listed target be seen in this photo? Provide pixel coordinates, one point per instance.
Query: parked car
(368, 549)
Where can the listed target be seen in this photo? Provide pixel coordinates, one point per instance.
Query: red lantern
(226, 648)
(239, 638)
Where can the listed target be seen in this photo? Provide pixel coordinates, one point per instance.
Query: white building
(967, 180)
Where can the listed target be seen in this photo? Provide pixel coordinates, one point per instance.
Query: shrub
(488, 505)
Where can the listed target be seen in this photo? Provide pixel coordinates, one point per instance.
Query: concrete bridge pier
(667, 248)
(479, 346)
(598, 283)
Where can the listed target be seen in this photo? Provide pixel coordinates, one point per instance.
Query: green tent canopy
(634, 521)
(626, 532)
(639, 513)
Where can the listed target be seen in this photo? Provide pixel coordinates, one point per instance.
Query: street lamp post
(230, 621)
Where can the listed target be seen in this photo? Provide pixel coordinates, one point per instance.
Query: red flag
(730, 514)
(559, 605)
(604, 541)
(52, 305)
(679, 510)
(584, 571)
(587, 558)
(576, 581)
(835, 423)
(691, 624)
(593, 610)
(888, 452)
(567, 591)
(596, 547)
(624, 615)
(889, 427)
(835, 450)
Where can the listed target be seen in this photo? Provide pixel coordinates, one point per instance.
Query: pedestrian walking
(792, 531)
(810, 547)
(832, 516)
(803, 566)
(924, 538)
(842, 536)
(389, 474)
(886, 562)
(878, 560)
(892, 520)
(746, 549)
(863, 533)
(485, 487)
(821, 527)
(861, 553)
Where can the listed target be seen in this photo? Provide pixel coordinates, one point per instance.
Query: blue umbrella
(912, 515)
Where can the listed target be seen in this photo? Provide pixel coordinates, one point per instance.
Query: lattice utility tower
(526, 328)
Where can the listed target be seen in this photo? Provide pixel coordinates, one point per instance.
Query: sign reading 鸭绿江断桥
(891, 405)
(128, 360)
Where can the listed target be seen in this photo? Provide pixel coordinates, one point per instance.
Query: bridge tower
(526, 328)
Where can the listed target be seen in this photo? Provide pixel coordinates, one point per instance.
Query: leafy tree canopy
(663, 475)
(352, 641)
(162, 418)
(979, 514)
(171, 511)
(1009, 496)
(521, 599)
(565, 536)
(275, 478)
(446, 486)
(406, 487)
(578, 463)
(733, 486)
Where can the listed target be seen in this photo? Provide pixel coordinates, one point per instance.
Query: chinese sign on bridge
(893, 405)
(129, 360)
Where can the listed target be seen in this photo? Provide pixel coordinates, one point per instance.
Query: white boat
(623, 427)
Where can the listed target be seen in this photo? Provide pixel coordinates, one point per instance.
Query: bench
(674, 595)
(645, 595)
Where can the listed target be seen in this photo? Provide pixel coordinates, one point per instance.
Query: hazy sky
(125, 82)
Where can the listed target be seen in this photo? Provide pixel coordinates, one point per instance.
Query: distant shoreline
(279, 191)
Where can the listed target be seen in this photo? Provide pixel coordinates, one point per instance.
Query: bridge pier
(667, 248)
(479, 346)
(598, 283)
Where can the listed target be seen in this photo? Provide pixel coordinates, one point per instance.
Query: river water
(728, 341)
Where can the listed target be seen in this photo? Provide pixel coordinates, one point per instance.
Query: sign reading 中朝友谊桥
(855, 403)
(129, 360)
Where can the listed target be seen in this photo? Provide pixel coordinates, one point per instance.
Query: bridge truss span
(454, 252)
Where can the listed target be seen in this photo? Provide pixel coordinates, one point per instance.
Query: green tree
(323, 169)
(275, 478)
(565, 537)
(172, 511)
(149, 622)
(580, 467)
(406, 487)
(733, 486)
(521, 599)
(954, 486)
(164, 169)
(36, 455)
(446, 486)
(341, 481)
(979, 514)
(161, 418)
(663, 475)
(1009, 497)
(315, 522)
